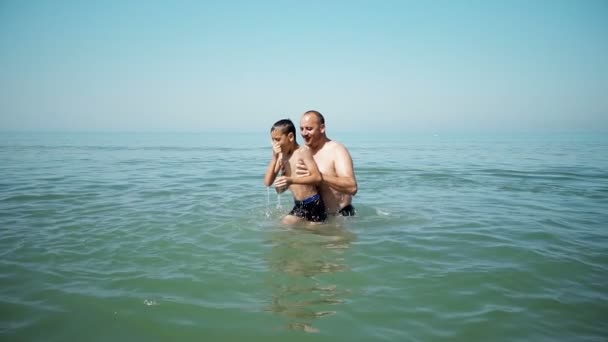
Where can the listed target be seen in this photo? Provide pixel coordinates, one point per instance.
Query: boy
(286, 154)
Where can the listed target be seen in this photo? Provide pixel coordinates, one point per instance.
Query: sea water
(174, 237)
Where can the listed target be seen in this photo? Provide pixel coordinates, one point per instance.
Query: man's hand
(301, 169)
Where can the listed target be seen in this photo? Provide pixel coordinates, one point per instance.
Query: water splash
(279, 206)
(267, 202)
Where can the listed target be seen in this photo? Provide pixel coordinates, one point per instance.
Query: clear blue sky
(367, 65)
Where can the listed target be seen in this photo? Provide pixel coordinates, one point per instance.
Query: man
(339, 184)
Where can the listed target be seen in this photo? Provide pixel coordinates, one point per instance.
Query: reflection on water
(303, 266)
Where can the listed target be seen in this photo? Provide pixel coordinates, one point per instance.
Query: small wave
(151, 302)
(40, 197)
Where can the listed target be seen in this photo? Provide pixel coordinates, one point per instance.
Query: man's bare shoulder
(334, 146)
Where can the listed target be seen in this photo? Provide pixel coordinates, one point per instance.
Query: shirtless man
(339, 184)
(286, 152)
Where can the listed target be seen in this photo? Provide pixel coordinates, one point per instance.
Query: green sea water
(173, 237)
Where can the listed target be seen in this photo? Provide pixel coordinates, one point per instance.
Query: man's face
(311, 129)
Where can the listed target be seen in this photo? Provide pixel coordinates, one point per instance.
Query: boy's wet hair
(285, 126)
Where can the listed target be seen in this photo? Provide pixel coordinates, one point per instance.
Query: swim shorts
(349, 210)
(311, 209)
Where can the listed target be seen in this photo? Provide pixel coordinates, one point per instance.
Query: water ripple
(461, 240)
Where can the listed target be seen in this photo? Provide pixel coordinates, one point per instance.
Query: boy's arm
(271, 171)
(275, 164)
(274, 167)
(279, 167)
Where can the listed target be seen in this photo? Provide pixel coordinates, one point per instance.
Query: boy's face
(281, 138)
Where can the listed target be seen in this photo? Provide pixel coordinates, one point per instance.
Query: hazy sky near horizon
(242, 65)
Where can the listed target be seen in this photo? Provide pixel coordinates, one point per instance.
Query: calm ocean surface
(173, 237)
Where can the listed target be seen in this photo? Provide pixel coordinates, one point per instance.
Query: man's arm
(344, 181)
(314, 175)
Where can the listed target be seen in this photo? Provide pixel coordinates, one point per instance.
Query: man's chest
(325, 162)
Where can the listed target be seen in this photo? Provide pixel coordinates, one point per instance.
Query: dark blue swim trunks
(349, 210)
(311, 209)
